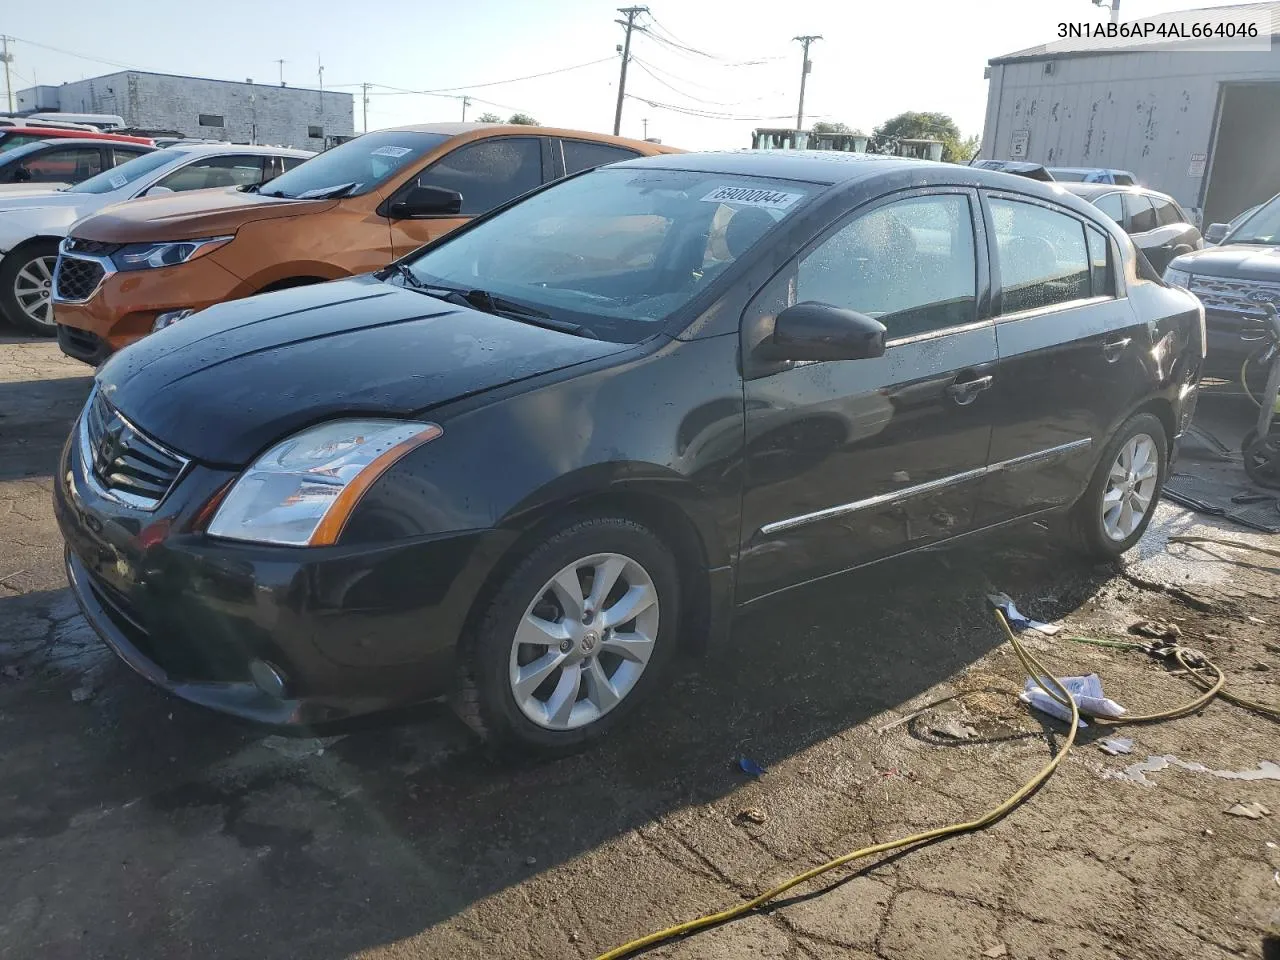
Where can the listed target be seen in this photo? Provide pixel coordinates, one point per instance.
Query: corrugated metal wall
(1152, 113)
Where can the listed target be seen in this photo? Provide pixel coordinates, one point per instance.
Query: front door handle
(1112, 349)
(964, 392)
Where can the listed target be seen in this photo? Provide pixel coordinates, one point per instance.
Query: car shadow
(35, 416)
(349, 843)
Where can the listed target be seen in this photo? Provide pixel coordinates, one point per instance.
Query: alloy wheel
(1131, 485)
(584, 641)
(32, 287)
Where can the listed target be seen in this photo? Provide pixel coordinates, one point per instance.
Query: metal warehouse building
(224, 110)
(1201, 125)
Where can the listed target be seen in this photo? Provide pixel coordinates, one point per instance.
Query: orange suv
(139, 266)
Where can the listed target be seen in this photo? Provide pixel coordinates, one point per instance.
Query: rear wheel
(26, 287)
(1121, 498)
(576, 635)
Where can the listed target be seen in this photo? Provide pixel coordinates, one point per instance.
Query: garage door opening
(1246, 151)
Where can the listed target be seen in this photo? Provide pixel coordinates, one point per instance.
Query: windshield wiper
(327, 193)
(408, 276)
(486, 302)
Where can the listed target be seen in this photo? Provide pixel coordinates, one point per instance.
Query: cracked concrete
(132, 825)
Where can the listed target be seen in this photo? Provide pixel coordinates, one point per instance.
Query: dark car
(1093, 175)
(1233, 280)
(1022, 168)
(528, 463)
(55, 163)
(1158, 226)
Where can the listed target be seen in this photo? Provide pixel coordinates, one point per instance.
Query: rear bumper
(83, 345)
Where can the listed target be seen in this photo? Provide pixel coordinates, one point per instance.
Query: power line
(688, 96)
(668, 39)
(703, 114)
(488, 83)
(675, 78)
(80, 56)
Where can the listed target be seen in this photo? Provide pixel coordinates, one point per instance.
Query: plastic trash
(1116, 745)
(1018, 620)
(750, 767)
(1086, 691)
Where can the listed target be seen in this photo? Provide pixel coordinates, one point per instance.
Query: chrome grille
(77, 280)
(1235, 296)
(128, 465)
(97, 248)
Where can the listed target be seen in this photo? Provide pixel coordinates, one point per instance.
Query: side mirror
(22, 175)
(157, 191)
(819, 331)
(426, 202)
(1215, 233)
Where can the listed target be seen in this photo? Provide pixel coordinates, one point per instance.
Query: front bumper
(124, 306)
(352, 630)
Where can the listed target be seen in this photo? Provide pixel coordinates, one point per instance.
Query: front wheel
(1121, 498)
(26, 286)
(1262, 458)
(574, 637)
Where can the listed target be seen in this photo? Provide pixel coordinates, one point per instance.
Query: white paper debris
(1253, 811)
(1086, 691)
(1017, 619)
(1116, 745)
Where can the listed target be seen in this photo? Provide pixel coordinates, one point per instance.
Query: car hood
(47, 198)
(1243, 261)
(23, 189)
(223, 385)
(188, 215)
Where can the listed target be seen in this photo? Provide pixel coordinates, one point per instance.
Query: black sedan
(49, 164)
(1159, 227)
(529, 463)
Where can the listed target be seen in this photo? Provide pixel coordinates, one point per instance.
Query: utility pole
(804, 74)
(1115, 8)
(645, 121)
(364, 97)
(281, 62)
(7, 57)
(631, 14)
(466, 102)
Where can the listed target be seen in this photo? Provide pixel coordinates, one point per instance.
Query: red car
(11, 137)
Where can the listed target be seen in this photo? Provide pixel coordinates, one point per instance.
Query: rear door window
(1042, 256)
(1113, 206)
(582, 155)
(1142, 217)
(488, 172)
(1167, 212)
(121, 155)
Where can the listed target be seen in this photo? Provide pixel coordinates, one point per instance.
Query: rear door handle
(1112, 349)
(964, 392)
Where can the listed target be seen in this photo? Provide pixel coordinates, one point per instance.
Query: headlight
(302, 490)
(143, 256)
(1177, 278)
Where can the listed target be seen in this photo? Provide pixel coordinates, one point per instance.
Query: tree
(923, 126)
(822, 126)
(488, 118)
(525, 119)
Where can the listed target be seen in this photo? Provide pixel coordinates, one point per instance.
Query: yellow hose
(1039, 673)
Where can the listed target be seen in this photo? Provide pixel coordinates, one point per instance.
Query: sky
(734, 60)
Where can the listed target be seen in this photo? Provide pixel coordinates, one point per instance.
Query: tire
(22, 279)
(1093, 534)
(543, 718)
(1262, 458)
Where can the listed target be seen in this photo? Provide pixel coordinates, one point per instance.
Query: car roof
(1091, 191)
(35, 145)
(457, 129)
(1093, 170)
(61, 133)
(212, 148)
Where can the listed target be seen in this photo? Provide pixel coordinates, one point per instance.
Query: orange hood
(184, 216)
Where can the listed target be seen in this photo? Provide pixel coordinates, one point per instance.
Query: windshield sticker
(118, 180)
(395, 153)
(752, 196)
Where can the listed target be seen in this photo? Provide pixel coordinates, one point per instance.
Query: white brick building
(222, 109)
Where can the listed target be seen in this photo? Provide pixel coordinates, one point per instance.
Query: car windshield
(363, 163)
(615, 251)
(1262, 226)
(126, 173)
